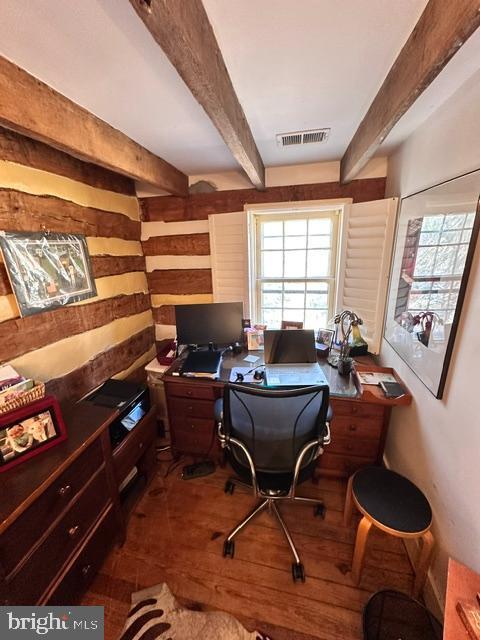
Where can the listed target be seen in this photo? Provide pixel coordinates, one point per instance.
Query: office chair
(272, 441)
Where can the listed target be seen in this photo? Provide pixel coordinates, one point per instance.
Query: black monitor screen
(220, 323)
(290, 346)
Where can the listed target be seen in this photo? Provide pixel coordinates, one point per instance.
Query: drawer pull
(86, 570)
(74, 531)
(140, 445)
(352, 427)
(189, 392)
(65, 491)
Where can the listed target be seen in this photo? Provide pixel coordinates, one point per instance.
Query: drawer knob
(352, 427)
(74, 531)
(192, 426)
(65, 490)
(86, 570)
(189, 393)
(354, 409)
(140, 445)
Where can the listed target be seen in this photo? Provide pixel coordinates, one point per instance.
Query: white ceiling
(295, 64)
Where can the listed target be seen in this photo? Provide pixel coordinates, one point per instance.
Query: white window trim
(300, 208)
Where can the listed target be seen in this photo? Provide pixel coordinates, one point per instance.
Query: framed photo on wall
(29, 431)
(47, 270)
(436, 235)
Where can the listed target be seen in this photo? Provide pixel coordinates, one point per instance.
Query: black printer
(130, 399)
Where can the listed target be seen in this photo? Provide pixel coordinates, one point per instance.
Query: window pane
(272, 228)
(432, 223)
(293, 300)
(295, 264)
(425, 261)
(293, 314)
(317, 286)
(445, 261)
(319, 242)
(272, 286)
(429, 237)
(317, 301)
(273, 300)
(318, 263)
(295, 227)
(272, 243)
(461, 257)
(272, 318)
(320, 225)
(272, 264)
(295, 242)
(466, 235)
(469, 221)
(454, 221)
(449, 237)
(294, 286)
(316, 319)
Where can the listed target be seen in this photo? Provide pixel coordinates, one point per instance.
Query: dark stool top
(392, 500)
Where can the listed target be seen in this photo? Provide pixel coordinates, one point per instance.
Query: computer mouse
(258, 375)
(239, 377)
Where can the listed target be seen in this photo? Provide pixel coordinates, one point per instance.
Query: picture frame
(290, 324)
(325, 337)
(435, 239)
(47, 270)
(29, 431)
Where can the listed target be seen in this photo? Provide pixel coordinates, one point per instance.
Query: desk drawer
(341, 466)
(128, 452)
(19, 538)
(355, 408)
(27, 584)
(79, 576)
(194, 435)
(198, 390)
(356, 428)
(365, 447)
(181, 407)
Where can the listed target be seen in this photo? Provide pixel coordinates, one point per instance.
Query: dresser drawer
(181, 407)
(365, 447)
(32, 578)
(341, 466)
(84, 567)
(356, 428)
(360, 409)
(199, 391)
(19, 538)
(126, 455)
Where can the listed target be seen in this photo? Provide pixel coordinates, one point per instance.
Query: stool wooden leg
(360, 546)
(423, 563)
(348, 509)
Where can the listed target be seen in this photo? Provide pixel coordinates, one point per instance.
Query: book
(9, 394)
(469, 614)
(375, 377)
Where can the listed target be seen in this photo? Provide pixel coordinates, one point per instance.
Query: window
(295, 267)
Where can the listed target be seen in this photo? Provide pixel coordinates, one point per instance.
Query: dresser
(359, 426)
(61, 512)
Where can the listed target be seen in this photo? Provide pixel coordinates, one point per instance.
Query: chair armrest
(329, 417)
(218, 410)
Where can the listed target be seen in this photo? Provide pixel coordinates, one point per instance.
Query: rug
(156, 614)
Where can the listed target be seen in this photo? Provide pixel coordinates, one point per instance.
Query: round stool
(393, 504)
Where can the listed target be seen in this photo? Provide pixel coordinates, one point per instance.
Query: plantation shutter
(367, 243)
(229, 258)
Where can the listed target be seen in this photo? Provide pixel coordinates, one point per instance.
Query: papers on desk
(375, 377)
(251, 359)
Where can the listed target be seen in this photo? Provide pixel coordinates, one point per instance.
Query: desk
(359, 427)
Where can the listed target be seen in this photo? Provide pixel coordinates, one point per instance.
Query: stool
(393, 504)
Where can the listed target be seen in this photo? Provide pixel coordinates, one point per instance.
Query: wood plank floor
(176, 533)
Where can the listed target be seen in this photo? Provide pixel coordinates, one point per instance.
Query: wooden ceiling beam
(441, 30)
(31, 107)
(183, 31)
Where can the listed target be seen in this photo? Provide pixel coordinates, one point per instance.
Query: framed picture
(290, 324)
(436, 236)
(325, 336)
(47, 270)
(28, 431)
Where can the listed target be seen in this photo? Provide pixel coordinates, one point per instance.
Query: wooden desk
(462, 584)
(359, 427)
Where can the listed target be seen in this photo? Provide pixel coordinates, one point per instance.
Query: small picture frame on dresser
(30, 430)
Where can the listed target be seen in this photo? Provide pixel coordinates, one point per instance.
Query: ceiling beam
(441, 30)
(34, 109)
(183, 31)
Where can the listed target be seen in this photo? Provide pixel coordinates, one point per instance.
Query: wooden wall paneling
(21, 335)
(79, 382)
(25, 212)
(164, 314)
(200, 205)
(31, 153)
(113, 265)
(197, 244)
(183, 31)
(441, 30)
(180, 281)
(32, 108)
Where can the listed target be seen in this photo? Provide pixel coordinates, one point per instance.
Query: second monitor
(200, 324)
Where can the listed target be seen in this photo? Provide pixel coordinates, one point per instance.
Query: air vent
(302, 137)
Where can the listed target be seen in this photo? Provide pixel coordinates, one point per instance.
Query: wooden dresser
(359, 427)
(61, 512)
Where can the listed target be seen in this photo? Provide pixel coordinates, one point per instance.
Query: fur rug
(156, 614)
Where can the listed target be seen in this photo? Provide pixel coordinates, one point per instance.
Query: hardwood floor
(176, 535)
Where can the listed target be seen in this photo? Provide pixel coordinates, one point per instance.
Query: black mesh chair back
(274, 425)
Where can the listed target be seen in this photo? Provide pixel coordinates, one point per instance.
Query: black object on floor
(391, 615)
(198, 470)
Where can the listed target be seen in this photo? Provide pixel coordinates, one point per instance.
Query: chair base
(270, 504)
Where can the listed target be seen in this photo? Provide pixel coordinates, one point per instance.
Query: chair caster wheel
(229, 487)
(298, 572)
(228, 548)
(319, 511)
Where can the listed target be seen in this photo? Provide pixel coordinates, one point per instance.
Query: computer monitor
(220, 323)
(292, 346)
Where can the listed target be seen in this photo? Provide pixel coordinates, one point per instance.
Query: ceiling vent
(302, 137)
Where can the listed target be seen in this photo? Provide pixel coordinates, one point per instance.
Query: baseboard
(431, 592)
